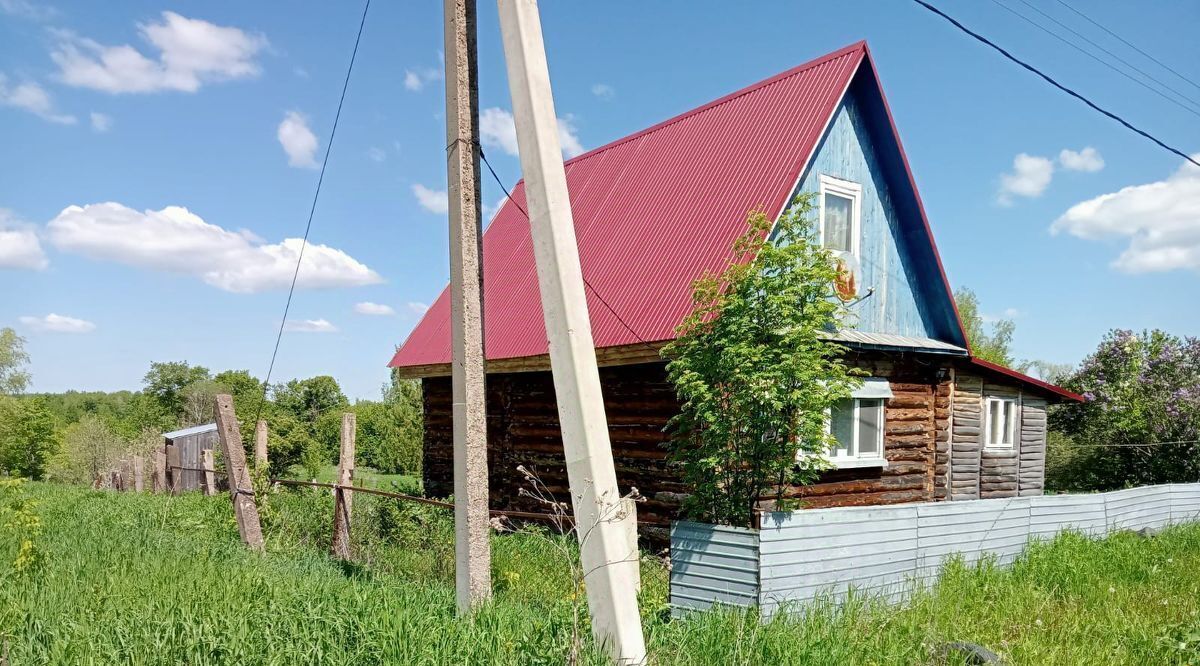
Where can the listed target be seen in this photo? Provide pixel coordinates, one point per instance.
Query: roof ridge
(860, 45)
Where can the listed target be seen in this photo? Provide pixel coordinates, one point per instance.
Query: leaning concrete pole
(599, 519)
(473, 559)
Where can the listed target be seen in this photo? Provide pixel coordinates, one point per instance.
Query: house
(656, 209)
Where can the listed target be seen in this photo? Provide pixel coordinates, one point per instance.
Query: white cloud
(28, 10)
(498, 130)
(603, 91)
(297, 140)
(175, 240)
(376, 154)
(1029, 178)
(101, 122)
(434, 201)
(56, 323)
(31, 97)
(416, 79)
(1160, 219)
(418, 308)
(1088, 159)
(19, 244)
(191, 52)
(1008, 313)
(374, 309)
(310, 326)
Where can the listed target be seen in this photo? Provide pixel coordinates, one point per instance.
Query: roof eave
(1056, 391)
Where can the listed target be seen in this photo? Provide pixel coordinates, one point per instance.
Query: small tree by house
(755, 372)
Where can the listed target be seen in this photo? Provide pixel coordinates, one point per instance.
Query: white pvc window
(1000, 422)
(840, 215)
(857, 425)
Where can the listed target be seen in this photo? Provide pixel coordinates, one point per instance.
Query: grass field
(367, 477)
(163, 580)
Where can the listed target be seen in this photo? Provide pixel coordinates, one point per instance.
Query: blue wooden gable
(896, 254)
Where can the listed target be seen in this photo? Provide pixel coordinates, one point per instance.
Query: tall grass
(163, 580)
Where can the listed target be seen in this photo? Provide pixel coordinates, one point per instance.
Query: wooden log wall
(1033, 446)
(977, 472)
(523, 431)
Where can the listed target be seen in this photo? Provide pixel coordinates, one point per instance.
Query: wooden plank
(174, 474)
(209, 478)
(343, 499)
(241, 490)
(158, 476)
(139, 465)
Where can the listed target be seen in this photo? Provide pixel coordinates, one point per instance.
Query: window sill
(855, 463)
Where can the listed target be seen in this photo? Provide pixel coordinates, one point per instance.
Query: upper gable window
(840, 215)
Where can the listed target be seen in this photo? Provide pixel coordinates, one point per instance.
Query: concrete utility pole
(599, 519)
(473, 556)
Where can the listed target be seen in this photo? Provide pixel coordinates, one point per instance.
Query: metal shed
(190, 444)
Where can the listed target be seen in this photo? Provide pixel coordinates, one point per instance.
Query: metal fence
(797, 556)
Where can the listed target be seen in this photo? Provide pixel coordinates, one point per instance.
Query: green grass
(163, 580)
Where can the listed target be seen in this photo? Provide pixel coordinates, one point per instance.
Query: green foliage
(754, 372)
(19, 520)
(1140, 422)
(989, 347)
(117, 585)
(27, 436)
(13, 377)
(90, 449)
(166, 384)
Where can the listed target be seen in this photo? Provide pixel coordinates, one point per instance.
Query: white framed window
(999, 422)
(840, 215)
(857, 423)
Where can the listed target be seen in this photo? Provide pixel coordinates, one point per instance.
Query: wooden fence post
(260, 445)
(209, 478)
(115, 477)
(343, 499)
(158, 477)
(139, 468)
(174, 474)
(241, 490)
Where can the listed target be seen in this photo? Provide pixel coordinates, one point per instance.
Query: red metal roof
(652, 212)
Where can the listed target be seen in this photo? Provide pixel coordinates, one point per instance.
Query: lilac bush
(1141, 419)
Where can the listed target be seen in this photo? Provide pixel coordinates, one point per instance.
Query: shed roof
(194, 430)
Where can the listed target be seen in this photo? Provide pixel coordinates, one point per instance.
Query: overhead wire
(1064, 40)
(1129, 44)
(312, 211)
(1048, 79)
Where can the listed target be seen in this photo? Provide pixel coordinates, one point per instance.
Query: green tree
(755, 373)
(90, 448)
(1140, 421)
(165, 382)
(27, 436)
(13, 377)
(989, 347)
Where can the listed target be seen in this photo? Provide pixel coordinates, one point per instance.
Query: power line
(1056, 84)
(1110, 54)
(1127, 445)
(312, 210)
(1127, 43)
(595, 293)
(1103, 62)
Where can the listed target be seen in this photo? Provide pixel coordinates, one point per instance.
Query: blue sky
(154, 107)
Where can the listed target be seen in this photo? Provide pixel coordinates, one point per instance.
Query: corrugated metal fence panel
(1136, 508)
(998, 527)
(1185, 502)
(806, 554)
(1051, 514)
(713, 564)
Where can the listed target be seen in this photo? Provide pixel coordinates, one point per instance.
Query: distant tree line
(74, 436)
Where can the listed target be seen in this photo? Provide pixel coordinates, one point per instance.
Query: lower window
(857, 425)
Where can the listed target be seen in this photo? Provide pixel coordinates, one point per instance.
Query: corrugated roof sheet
(890, 341)
(194, 430)
(652, 212)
